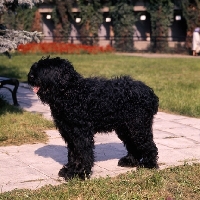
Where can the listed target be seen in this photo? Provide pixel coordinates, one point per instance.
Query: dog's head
(50, 76)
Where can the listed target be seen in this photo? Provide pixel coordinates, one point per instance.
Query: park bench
(10, 81)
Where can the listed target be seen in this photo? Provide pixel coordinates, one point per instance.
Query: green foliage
(61, 16)
(123, 20)
(191, 13)
(22, 19)
(91, 20)
(161, 12)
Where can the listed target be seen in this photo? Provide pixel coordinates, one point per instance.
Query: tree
(191, 13)
(161, 12)
(123, 20)
(88, 11)
(91, 20)
(10, 39)
(61, 16)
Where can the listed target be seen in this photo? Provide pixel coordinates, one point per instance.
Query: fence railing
(139, 42)
(73, 39)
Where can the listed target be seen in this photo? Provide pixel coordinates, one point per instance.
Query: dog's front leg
(80, 156)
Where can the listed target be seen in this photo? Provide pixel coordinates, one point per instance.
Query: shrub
(62, 48)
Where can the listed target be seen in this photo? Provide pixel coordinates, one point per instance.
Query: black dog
(83, 106)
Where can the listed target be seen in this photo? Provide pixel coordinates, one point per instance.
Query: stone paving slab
(35, 165)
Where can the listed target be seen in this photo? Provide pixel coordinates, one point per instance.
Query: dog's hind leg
(137, 137)
(130, 160)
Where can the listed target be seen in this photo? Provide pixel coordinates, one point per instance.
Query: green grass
(175, 80)
(177, 83)
(180, 183)
(20, 127)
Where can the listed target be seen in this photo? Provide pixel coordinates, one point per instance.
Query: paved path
(158, 55)
(32, 166)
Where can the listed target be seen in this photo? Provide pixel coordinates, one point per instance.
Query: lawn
(20, 127)
(180, 183)
(176, 81)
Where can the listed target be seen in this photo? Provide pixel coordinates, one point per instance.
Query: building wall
(142, 29)
(47, 27)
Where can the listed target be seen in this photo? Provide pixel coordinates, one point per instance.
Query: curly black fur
(83, 106)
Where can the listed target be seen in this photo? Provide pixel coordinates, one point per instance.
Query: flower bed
(62, 48)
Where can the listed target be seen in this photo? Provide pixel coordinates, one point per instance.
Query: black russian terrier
(82, 107)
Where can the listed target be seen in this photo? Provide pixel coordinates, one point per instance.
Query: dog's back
(121, 91)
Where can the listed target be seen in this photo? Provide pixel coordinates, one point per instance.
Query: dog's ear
(65, 68)
(67, 74)
(56, 73)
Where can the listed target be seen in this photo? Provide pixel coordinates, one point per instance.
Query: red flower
(67, 48)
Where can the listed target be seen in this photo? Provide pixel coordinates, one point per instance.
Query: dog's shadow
(102, 152)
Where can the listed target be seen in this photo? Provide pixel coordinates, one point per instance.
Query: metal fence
(139, 43)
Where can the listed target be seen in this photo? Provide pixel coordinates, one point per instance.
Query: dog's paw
(63, 171)
(148, 164)
(68, 174)
(128, 161)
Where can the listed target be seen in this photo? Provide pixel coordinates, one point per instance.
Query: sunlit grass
(20, 127)
(176, 81)
(175, 183)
